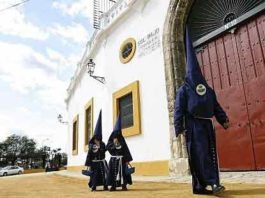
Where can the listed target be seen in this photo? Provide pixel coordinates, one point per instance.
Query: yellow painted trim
(76, 119)
(129, 58)
(134, 89)
(89, 104)
(151, 168)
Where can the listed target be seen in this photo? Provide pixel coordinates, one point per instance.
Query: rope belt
(211, 119)
(98, 160)
(117, 156)
(203, 118)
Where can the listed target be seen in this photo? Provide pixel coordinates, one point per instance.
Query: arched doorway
(232, 59)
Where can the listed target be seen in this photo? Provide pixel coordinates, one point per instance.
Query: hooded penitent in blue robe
(120, 156)
(96, 158)
(195, 106)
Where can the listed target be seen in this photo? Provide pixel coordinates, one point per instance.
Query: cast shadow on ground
(140, 190)
(135, 190)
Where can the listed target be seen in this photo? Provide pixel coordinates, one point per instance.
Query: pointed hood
(194, 75)
(98, 129)
(200, 100)
(117, 129)
(117, 133)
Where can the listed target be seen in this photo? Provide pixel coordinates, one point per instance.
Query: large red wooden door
(233, 65)
(251, 45)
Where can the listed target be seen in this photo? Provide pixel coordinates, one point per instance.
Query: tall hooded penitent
(195, 107)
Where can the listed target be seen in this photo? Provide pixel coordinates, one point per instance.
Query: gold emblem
(201, 89)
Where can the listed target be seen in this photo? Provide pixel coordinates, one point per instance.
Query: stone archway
(174, 59)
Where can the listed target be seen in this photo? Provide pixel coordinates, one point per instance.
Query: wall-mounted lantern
(91, 68)
(60, 119)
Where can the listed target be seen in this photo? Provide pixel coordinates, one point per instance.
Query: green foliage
(17, 147)
(2, 149)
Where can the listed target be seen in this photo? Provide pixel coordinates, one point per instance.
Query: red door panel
(255, 85)
(232, 61)
(214, 66)
(206, 66)
(256, 48)
(261, 31)
(223, 71)
(245, 54)
(240, 129)
(235, 141)
(220, 49)
(234, 65)
(256, 101)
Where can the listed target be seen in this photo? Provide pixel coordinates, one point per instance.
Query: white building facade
(139, 50)
(135, 26)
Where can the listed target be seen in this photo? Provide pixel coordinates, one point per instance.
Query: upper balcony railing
(105, 13)
(101, 7)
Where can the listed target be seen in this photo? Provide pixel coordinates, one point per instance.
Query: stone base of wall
(153, 168)
(179, 167)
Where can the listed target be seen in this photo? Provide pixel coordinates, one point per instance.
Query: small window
(126, 110)
(75, 136)
(88, 123)
(126, 101)
(127, 50)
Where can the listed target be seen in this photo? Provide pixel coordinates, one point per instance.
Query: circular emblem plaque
(201, 89)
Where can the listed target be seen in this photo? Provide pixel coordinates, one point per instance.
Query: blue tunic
(190, 114)
(195, 106)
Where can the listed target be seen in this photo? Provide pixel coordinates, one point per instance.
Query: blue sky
(41, 43)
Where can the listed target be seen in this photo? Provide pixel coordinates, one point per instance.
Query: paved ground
(51, 185)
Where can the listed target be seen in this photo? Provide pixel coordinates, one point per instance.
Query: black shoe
(112, 189)
(93, 189)
(106, 188)
(202, 192)
(124, 188)
(217, 190)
